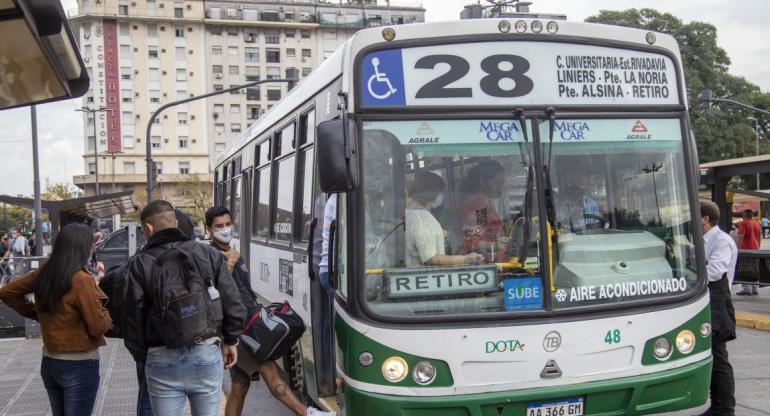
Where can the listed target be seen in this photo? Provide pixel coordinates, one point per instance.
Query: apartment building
(252, 40)
(142, 54)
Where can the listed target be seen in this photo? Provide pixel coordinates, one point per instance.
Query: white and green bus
(572, 278)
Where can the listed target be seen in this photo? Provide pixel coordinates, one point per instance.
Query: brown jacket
(82, 322)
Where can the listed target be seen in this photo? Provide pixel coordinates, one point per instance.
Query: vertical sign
(112, 81)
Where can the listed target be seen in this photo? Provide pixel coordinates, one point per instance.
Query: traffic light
(705, 102)
(154, 176)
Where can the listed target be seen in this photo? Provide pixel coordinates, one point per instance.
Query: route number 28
(497, 68)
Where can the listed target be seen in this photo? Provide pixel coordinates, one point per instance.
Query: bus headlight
(365, 359)
(394, 369)
(662, 349)
(424, 372)
(705, 329)
(685, 341)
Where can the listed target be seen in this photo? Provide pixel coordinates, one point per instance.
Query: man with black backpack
(180, 304)
(219, 224)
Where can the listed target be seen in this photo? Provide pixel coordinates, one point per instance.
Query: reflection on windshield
(448, 230)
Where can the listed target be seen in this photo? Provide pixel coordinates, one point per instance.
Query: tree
(196, 194)
(726, 133)
(62, 191)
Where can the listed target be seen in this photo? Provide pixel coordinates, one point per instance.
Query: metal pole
(36, 187)
(148, 144)
(113, 172)
(96, 156)
(756, 133)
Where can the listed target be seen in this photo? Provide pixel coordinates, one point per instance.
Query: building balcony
(135, 12)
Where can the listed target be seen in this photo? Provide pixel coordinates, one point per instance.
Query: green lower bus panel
(667, 391)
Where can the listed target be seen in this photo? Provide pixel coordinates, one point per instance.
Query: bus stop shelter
(80, 210)
(717, 175)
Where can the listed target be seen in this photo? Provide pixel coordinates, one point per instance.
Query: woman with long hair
(480, 223)
(70, 308)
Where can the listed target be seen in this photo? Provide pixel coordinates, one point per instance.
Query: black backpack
(113, 284)
(186, 305)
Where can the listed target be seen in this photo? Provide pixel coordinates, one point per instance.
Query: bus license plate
(566, 407)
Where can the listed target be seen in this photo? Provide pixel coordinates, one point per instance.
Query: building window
(273, 72)
(128, 142)
(125, 51)
(219, 108)
(289, 33)
(154, 74)
(123, 29)
(234, 92)
(128, 118)
(179, 31)
(235, 127)
(219, 127)
(181, 94)
(251, 37)
(152, 30)
(158, 166)
(184, 142)
(129, 167)
(235, 109)
(231, 13)
(91, 168)
(273, 94)
(272, 36)
(330, 34)
(178, 10)
(252, 54)
(125, 72)
(215, 30)
(217, 69)
(181, 118)
(90, 144)
(252, 112)
(252, 73)
(155, 141)
(216, 50)
(271, 16)
(232, 50)
(291, 52)
(306, 53)
(179, 53)
(232, 31)
(123, 8)
(233, 69)
(218, 87)
(252, 94)
(90, 121)
(273, 55)
(215, 13)
(154, 96)
(305, 34)
(126, 96)
(181, 75)
(152, 52)
(184, 168)
(219, 147)
(250, 14)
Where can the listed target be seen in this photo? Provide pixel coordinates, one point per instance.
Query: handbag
(272, 330)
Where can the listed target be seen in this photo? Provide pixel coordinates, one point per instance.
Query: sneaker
(743, 293)
(312, 411)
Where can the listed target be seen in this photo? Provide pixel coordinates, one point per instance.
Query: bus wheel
(297, 375)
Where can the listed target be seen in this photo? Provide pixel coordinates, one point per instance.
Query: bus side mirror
(337, 155)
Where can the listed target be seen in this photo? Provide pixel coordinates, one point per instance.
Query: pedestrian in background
(765, 226)
(748, 239)
(73, 320)
(721, 257)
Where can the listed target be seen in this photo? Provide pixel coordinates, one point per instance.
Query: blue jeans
(71, 385)
(143, 405)
(193, 372)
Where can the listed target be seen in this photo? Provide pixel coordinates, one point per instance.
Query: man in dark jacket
(191, 372)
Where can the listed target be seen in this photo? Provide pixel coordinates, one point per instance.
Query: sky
(741, 28)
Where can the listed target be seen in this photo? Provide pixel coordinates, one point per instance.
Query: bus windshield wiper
(550, 200)
(524, 248)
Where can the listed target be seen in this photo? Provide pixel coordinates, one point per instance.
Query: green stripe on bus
(701, 343)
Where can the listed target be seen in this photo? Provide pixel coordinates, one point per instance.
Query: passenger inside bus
(480, 224)
(575, 210)
(424, 235)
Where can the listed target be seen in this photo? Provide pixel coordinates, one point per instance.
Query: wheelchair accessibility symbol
(381, 78)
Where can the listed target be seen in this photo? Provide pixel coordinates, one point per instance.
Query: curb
(752, 320)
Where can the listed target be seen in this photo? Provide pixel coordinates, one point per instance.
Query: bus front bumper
(665, 391)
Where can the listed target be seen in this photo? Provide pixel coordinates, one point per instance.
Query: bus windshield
(453, 225)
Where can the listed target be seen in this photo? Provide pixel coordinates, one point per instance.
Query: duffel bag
(272, 331)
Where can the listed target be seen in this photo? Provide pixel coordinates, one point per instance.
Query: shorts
(246, 369)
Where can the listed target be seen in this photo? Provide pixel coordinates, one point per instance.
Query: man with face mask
(574, 207)
(219, 224)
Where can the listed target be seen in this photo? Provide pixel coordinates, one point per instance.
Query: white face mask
(438, 201)
(224, 235)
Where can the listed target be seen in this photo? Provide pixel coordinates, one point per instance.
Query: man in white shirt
(721, 256)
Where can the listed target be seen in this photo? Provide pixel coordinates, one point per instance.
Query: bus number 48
(501, 70)
(612, 337)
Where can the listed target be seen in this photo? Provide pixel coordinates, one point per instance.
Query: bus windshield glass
(452, 223)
